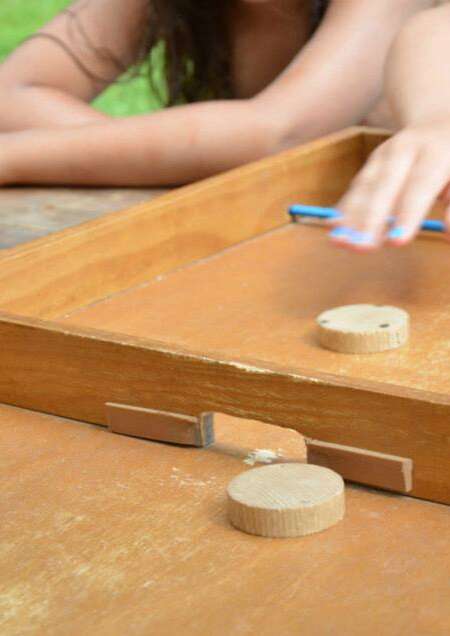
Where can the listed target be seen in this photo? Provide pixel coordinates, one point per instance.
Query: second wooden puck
(286, 500)
(363, 328)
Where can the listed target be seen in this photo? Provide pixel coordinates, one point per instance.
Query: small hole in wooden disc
(363, 328)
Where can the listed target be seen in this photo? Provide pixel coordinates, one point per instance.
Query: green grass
(19, 18)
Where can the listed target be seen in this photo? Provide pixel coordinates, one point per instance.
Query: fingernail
(361, 238)
(340, 232)
(396, 232)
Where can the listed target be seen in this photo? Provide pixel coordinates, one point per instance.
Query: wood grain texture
(363, 328)
(255, 357)
(363, 466)
(260, 301)
(74, 372)
(106, 534)
(286, 500)
(27, 213)
(160, 426)
(69, 269)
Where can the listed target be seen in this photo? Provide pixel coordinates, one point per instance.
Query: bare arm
(331, 84)
(51, 78)
(338, 78)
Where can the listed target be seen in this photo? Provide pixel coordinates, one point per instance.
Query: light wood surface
(363, 328)
(286, 500)
(108, 535)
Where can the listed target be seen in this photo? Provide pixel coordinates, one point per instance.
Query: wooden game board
(109, 535)
(205, 300)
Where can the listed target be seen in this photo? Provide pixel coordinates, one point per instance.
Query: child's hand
(402, 179)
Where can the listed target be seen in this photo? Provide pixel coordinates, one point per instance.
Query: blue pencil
(315, 212)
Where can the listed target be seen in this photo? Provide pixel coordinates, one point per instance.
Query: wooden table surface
(31, 213)
(108, 535)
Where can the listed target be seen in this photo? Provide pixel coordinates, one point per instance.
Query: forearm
(342, 68)
(418, 78)
(27, 107)
(169, 147)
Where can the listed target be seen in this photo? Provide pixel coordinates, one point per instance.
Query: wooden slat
(160, 426)
(74, 372)
(363, 466)
(75, 267)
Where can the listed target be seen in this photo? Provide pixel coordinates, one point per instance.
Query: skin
(288, 91)
(407, 174)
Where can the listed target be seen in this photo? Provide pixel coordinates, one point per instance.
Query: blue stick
(315, 212)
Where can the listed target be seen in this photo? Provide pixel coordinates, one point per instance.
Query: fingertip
(358, 249)
(340, 233)
(396, 233)
(363, 241)
(399, 236)
(354, 240)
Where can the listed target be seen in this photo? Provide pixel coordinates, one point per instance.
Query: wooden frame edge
(109, 254)
(73, 372)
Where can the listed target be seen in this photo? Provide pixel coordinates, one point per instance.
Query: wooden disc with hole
(363, 328)
(286, 500)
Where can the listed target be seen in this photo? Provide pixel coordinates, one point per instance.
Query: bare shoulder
(90, 26)
(83, 49)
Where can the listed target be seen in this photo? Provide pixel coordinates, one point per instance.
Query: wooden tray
(205, 300)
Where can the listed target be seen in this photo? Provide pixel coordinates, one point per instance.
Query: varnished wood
(107, 531)
(160, 426)
(57, 274)
(260, 301)
(244, 347)
(372, 139)
(108, 535)
(74, 372)
(365, 467)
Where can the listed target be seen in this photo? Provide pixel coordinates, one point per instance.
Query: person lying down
(243, 79)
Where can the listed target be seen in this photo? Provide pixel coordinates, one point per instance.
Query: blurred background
(19, 18)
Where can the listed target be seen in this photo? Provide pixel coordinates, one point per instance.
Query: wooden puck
(286, 500)
(363, 328)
